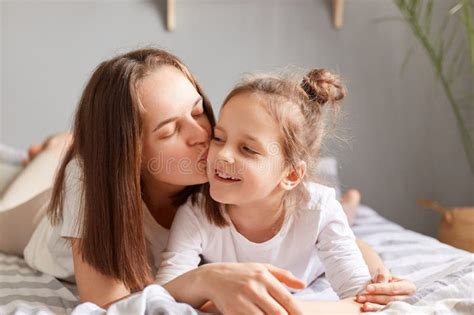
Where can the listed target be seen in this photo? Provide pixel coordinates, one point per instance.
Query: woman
(140, 138)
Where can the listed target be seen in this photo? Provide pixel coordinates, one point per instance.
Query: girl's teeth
(224, 176)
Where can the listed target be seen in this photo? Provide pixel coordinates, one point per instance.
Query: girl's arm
(384, 288)
(344, 265)
(346, 306)
(185, 245)
(373, 260)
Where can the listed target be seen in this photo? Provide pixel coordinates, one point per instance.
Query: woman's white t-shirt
(50, 252)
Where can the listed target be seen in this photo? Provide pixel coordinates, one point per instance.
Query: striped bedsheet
(444, 275)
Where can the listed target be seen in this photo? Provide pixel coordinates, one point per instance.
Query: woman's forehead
(166, 90)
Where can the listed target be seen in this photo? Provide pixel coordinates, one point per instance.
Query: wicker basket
(457, 225)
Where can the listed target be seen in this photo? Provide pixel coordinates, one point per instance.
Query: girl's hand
(384, 289)
(250, 288)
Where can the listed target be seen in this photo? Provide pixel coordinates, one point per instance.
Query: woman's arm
(92, 285)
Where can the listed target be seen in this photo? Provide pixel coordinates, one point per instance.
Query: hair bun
(322, 87)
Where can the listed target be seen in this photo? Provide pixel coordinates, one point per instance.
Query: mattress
(444, 277)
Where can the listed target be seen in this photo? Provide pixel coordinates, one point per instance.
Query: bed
(443, 274)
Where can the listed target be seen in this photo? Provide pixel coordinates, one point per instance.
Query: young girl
(265, 205)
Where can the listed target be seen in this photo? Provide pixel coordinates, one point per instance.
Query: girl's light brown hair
(299, 106)
(107, 143)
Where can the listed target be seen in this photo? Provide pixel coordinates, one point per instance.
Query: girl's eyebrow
(253, 139)
(166, 121)
(246, 136)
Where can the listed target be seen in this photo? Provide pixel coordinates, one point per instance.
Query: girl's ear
(293, 177)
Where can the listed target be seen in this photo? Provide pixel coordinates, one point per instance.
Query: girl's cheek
(211, 155)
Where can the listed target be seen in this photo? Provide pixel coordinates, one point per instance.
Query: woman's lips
(204, 156)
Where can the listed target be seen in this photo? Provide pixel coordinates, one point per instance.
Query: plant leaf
(428, 16)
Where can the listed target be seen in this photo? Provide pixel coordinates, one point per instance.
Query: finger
(286, 277)
(380, 299)
(372, 307)
(242, 306)
(258, 294)
(380, 276)
(209, 307)
(391, 288)
(409, 286)
(282, 296)
(269, 305)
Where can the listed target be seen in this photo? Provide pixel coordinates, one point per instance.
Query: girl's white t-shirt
(50, 252)
(316, 238)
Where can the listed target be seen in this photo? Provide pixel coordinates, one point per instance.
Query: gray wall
(402, 139)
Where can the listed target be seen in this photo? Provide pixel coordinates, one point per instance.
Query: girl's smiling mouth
(224, 177)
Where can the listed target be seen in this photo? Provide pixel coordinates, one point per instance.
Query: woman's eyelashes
(198, 111)
(168, 131)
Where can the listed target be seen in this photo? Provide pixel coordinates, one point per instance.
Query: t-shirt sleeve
(343, 262)
(185, 244)
(73, 188)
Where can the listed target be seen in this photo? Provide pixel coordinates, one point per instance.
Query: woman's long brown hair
(107, 143)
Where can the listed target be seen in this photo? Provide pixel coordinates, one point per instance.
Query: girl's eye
(249, 150)
(217, 139)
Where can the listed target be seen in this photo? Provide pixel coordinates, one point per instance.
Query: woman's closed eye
(198, 111)
(167, 132)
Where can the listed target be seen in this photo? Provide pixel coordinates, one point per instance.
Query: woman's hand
(250, 288)
(253, 289)
(384, 289)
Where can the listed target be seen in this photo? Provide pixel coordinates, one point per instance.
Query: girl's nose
(225, 155)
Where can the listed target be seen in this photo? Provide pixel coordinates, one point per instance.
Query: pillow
(35, 178)
(327, 175)
(10, 165)
(11, 155)
(326, 171)
(8, 171)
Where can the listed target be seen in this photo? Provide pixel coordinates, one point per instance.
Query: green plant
(446, 56)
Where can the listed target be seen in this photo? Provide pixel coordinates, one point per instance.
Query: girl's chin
(222, 197)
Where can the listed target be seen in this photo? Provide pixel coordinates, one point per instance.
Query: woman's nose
(199, 134)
